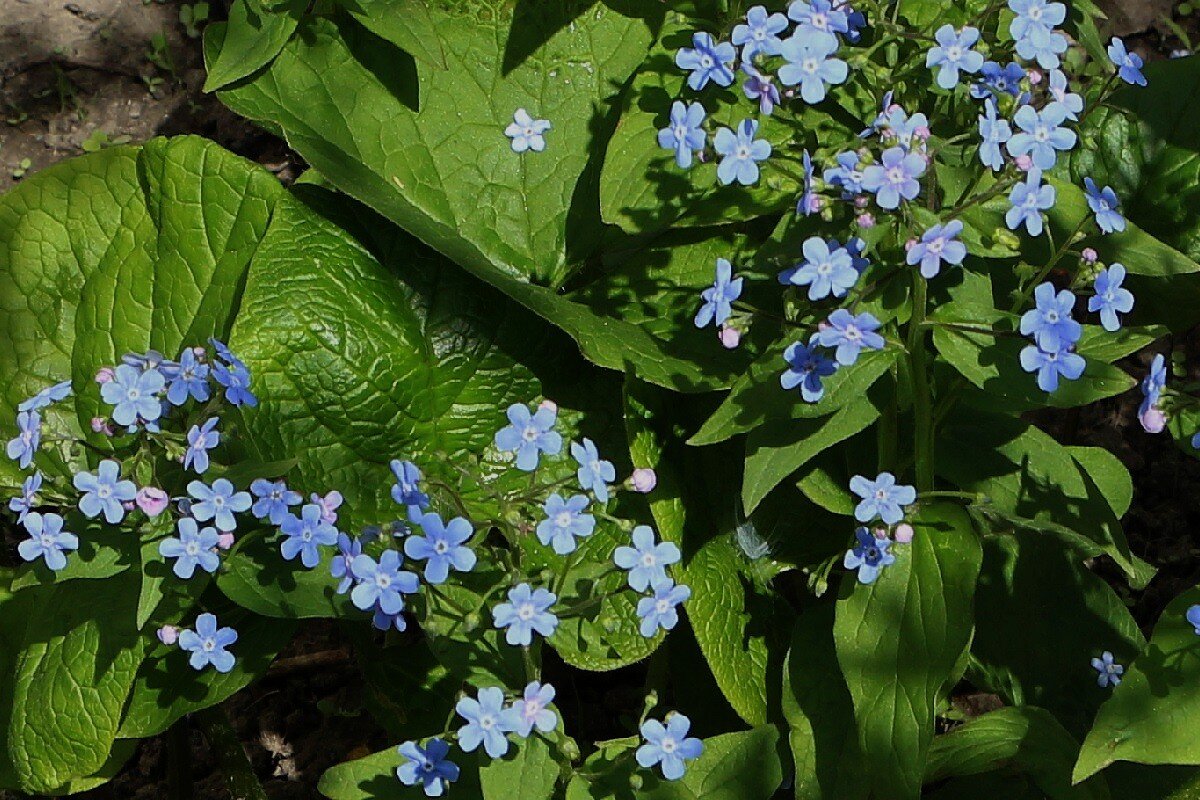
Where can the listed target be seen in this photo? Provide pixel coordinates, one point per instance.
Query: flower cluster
(885, 500)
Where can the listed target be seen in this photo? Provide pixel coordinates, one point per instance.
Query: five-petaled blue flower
(847, 175)
(806, 367)
(304, 534)
(565, 522)
(1062, 94)
(273, 500)
(882, 498)
(995, 79)
(718, 298)
(684, 135)
(1049, 366)
(218, 503)
(1041, 135)
(381, 582)
(1104, 204)
(24, 445)
(1109, 672)
(201, 438)
(896, 178)
(759, 33)
(529, 434)
(810, 63)
(443, 546)
(647, 560)
(760, 87)
(46, 397)
(190, 380)
(526, 610)
(659, 610)
(953, 53)
(594, 472)
(194, 547)
(1049, 322)
(740, 153)
(530, 711)
(850, 333)
(104, 492)
(487, 723)
(24, 503)
(668, 746)
(819, 20)
(1033, 30)
(207, 644)
(427, 766)
(707, 61)
(828, 269)
(235, 377)
(869, 556)
(406, 491)
(939, 243)
(342, 567)
(134, 394)
(1028, 200)
(1111, 298)
(526, 132)
(1129, 65)
(993, 132)
(47, 540)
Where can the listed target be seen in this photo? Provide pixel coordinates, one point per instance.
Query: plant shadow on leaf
(395, 69)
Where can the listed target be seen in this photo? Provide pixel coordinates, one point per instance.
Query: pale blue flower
(200, 440)
(273, 500)
(647, 560)
(104, 492)
(530, 711)
(133, 394)
(894, 179)
(46, 397)
(953, 53)
(1129, 65)
(760, 87)
(1108, 671)
(718, 298)
(847, 175)
(759, 33)
(825, 271)
(529, 434)
(442, 547)
(882, 498)
(487, 723)
(819, 20)
(993, 132)
(380, 582)
(1041, 135)
(740, 153)
(1049, 366)
(1060, 91)
(208, 644)
(659, 610)
(24, 503)
(1049, 322)
(406, 491)
(707, 60)
(668, 746)
(194, 547)
(938, 244)
(190, 380)
(47, 540)
(342, 567)
(565, 522)
(24, 446)
(594, 472)
(1028, 200)
(526, 610)
(684, 134)
(811, 65)
(1104, 204)
(305, 535)
(218, 503)
(1111, 298)
(850, 334)
(526, 132)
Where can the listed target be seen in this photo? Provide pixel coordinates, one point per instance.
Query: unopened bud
(1153, 419)
(643, 480)
(1035, 77)
(1089, 255)
(904, 533)
(1024, 162)
(225, 541)
(549, 405)
(866, 220)
(910, 244)
(152, 500)
(635, 782)
(105, 375)
(730, 337)
(168, 635)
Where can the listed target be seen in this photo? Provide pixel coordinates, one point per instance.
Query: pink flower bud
(1153, 419)
(329, 504)
(643, 480)
(894, 107)
(866, 220)
(225, 541)
(100, 425)
(1035, 77)
(152, 500)
(1024, 162)
(822, 326)
(729, 336)
(861, 202)
(1089, 255)
(128, 505)
(904, 533)
(922, 132)
(549, 405)
(105, 375)
(168, 635)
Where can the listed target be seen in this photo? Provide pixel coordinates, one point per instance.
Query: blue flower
(1033, 30)
(235, 377)
(850, 333)
(1111, 298)
(812, 65)
(1193, 617)
(526, 611)
(895, 178)
(382, 621)
(342, 567)
(565, 522)
(718, 298)
(993, 132)
(46, 397)
(406, 491)
(896, 127)
(939, 243)
(1049, 366)
(953, 53)
(218, 503)
(882, 498)
(809, 202)
(855, 22)
(104, 492)
(1154, 382)
(442, 547)
(529, 434)
(305, 535)
(818, 20)
(995, 79)
(1049, 322)
(1041, 135)
(825, 271)
(806, 367)
(273, 500)
(1060, 91)
(847, 175)
(707, 60)
(134, 394)
(869, 556)
(29, 435)
(684, 135)
(379, 582)
(526, 132)
(152, 359)
(207, 644)
(1044, 46)
(427, 766)
(191, 380)
(1109, 671)
(740, 153)
(659, 609)
(1104, 204)
(759, 33)
(329, 504)
(23, 504)
(200, 440)
(594, 473)
(195, 547)
(1028, 201)
(1129, 65)
(668, 746)
(487, 723)
(760, 87)
(647, 560)
(47, 540)
(530, 711)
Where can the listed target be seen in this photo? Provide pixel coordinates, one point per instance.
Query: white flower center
(662, 606)
(954, 53)
(563, 519)
(895, 175)
(824, 268)
(669, 745)
(525, 611)
(208, 645)
(819, 20)
(648, 560)
(809, 65)
(706, 61)
(192, 549)
(103, 492)
(530, 433)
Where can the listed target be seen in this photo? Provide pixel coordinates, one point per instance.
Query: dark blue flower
(1111, 298)
(760, 87)
(806, 367)
(809, 202)
(47, 540)
(995, 79)
(1193, 617)
(427, 766)
(1129, 65)
(190, 380)
(194, 547)
(847, 175)
(235, 377)
(869, 556)
(443, 546)
(207, 644)
(668, 746)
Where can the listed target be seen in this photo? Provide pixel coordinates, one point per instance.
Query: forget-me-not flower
(1035, 15)
(806, 367)
(526, 610)
(953, 53)
(235, 377)
(995, 79)
(526, 132)
(342, 567)
(24, 445)
(882, 498)
(594, 472)
(825, 271)
(487, 723)
(659, 610)
(1050, 365)
(1028, 200)
(133, 394)
(647, 560)
(208, 644)
(529, 434)
(406, 491)
(819, 20)
(218, 502)
(47, 540)
(938, 244)
(1104, 204)
(993, 132)
(850, 334)
(1049, 322)
(847, 175)
(273, 500)
(46, 397)
(530, 711)
(565, 522)
(809, 202)
(869, 556)
(305, 534)
(1062, 94)
(1111, 298)
(740, 153)
(718, 298)
(1041, 135)
(201, 439)
(442, 546)
(190, 380)
(427, 766)
(24, 502)
(104, 492)
(194, 547)
(707, 60)
(684, 135)
(760, 87)
(1109, 671)
(1129, 65)
(759, 33)
(810, 63)
(668, 746)
(895, 179)
(381, 582)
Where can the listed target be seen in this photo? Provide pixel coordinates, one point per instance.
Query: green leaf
(1151, 716)
(405, 23)
(251, 38)
(255, 576)
(374, 778)
(899, 640)
(530, 773)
